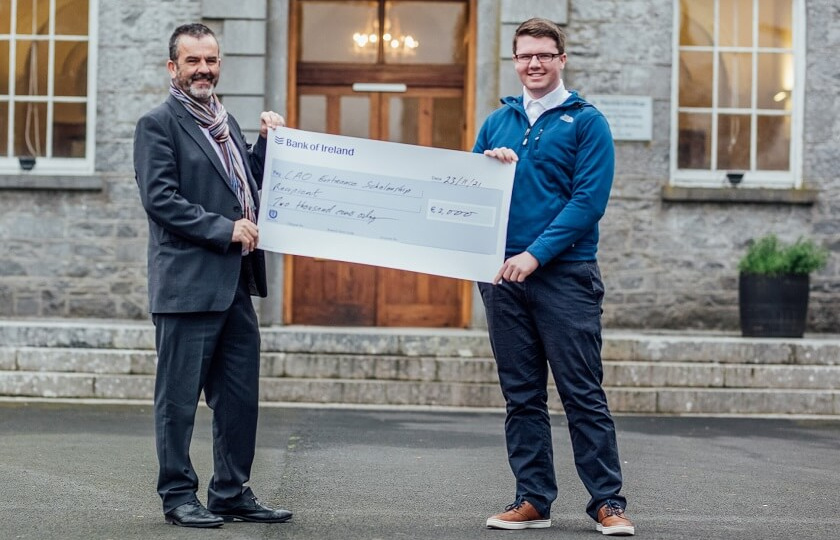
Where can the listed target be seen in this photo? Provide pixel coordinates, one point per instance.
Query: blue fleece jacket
(562, 180)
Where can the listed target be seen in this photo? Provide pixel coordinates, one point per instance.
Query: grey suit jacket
(192, 263)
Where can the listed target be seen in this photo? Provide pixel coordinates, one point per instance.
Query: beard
(201, 93)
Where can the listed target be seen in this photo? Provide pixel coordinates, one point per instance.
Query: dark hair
(196, 30)
(539, 28)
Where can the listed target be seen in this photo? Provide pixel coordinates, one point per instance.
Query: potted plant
(773, 286)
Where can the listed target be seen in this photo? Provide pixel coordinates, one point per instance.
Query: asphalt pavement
(77, 471)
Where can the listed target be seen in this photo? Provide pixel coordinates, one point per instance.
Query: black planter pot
(773, 306)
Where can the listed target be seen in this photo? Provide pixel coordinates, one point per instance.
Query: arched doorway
(395, 70)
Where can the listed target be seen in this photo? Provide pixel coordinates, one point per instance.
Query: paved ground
(87, 472)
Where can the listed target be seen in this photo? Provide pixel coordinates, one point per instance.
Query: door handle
(379, 87)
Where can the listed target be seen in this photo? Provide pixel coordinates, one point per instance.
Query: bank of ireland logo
(272, 214)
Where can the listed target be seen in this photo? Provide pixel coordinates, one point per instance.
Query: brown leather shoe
(518, 516)
(612, 521)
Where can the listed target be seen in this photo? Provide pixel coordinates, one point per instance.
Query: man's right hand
(246, 232)
(517, 268)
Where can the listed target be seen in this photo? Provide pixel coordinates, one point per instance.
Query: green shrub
(769, 256)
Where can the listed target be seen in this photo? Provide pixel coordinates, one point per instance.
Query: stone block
(244, 37)
(125, 387)
(585, 13)
(225, 9)
(783, 377)
(628, 373)
(744, 401)
(421, 393)
(300, 390)
(516, 11)
(479, 370)
(242, 75)
(405, 369)
(506, 33)
(485, 395)
(442, 343)
(365, 392)
(8, 358)
(626, 400)
(328, 340)
(306, 366)
(509, 83)
(326, 366)
(246, 110)
(46, 385)
(713, 349)
(681, 375)
(143, 362)
(469, 395)
(272, 364)
(74, 360)
(817, 351)
(618, 347)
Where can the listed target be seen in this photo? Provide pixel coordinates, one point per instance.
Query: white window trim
(753, 179)
(63, 166)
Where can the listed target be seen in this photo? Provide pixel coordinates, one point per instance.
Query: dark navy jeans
(553, 321)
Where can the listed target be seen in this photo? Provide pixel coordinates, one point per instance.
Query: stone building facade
(75, 246)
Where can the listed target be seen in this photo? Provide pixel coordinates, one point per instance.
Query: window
(383, 31)
(47, 85)
(737, 104)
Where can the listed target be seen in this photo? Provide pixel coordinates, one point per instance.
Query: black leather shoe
(193, 514)
(255, 511)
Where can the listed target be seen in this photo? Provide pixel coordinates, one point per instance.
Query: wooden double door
(327, 292)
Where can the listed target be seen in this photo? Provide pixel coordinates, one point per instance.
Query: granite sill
(32, 182)
(798, 196)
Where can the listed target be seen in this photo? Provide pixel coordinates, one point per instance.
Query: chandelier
(394, 42)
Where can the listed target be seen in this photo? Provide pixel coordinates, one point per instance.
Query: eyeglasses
(542, 57)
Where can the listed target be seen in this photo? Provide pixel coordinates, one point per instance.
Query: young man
(544, 307)
(198, 183)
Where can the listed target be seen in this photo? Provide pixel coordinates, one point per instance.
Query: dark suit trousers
(217, 352)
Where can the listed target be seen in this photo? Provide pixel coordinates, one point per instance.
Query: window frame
(716, 178)
(10, 164)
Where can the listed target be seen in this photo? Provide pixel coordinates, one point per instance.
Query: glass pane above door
(425, 32)
(383, 31)
(327, 30)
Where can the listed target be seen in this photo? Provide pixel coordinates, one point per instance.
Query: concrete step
(619, 373)
(664, 373)
(647, 400)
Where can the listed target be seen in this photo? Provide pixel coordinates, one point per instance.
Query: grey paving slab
(76, 471)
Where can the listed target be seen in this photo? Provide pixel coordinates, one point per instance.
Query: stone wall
(672, 264)
(82, 253)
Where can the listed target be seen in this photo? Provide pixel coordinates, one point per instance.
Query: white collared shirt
(552, 100)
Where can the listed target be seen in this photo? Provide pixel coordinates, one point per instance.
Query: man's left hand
(517, 268)
(270, 120)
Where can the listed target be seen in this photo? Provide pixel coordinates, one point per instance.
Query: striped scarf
(214, 118)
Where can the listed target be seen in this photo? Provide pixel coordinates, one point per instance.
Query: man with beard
(198, 182)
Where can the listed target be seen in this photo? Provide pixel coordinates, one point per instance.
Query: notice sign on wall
(630, 117)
